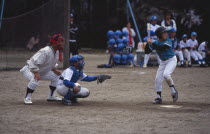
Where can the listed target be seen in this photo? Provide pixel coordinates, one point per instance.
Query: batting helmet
(130, 57)
(159, 31)
(117, 58)
(124, 59)
(118, 33)
(125, 41)
(124, 33)
(118, 41)
(111, 42)
(110, 34)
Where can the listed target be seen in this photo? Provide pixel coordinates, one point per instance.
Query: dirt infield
(121, 105)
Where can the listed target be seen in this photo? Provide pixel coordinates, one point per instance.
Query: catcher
(67, 85)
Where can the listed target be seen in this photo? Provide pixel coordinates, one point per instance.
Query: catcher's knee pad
(62, 90)
(84, 92)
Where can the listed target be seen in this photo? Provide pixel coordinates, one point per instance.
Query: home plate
(171, 106)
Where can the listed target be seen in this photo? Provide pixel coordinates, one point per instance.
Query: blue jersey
(163, 49)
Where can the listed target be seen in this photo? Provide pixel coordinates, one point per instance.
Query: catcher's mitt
(101, 78)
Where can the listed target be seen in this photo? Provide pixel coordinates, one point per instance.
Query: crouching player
(167, 65)
(67, 85)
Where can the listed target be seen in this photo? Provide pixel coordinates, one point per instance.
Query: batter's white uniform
(62, 89)
(183, 45)
(202, 48)
(194, 54)
(42, 62)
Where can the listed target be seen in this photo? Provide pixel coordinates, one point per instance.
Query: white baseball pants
(33, 83)
(179, 55)
(186, 54)
(62, 91)
(164, 71)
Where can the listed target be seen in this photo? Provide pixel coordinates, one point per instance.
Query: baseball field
(122, 105)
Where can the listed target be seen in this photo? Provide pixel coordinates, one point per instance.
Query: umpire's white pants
(195, 55)
(62, 91)
(147, 56)
(179, 55)
(203, 54)
(165, 70)
(186, 54)
(33, 83)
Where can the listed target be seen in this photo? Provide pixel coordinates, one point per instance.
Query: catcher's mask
(79, 59)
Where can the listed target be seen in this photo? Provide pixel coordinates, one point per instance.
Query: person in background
(168, 23)
(131, 34)
(193, 43)
(176, 47)
(202, 49)
(73, 33)
(185, 50)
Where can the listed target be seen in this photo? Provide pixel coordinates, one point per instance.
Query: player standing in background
(167, 65)
(176, 46)
(42, 66)
(203, 49)
(131, 34)
(193, 43)
(67, 85)
(185, 49)
(168, 23)
(73, 33)
(153, 26)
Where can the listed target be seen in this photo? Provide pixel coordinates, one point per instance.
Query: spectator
(131, 34)
(168, 23)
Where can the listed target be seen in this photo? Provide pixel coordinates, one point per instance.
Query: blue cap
(193, 34)
(184, 36)
(153, 18)
(173, 30)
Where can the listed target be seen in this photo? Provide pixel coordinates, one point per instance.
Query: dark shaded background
(24, 19)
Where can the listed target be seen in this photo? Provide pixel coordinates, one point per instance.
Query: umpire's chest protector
(77, 74)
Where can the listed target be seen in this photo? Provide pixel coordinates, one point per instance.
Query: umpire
(73, 32)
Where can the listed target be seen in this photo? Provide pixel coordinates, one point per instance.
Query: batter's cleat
(175, 96)
(53, 98)
(27, 101)
(144, 66)
(66, 102)
(157, 101)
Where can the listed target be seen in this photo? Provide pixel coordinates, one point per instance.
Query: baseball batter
(167, 65)
(67, 85)
(42, 66)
